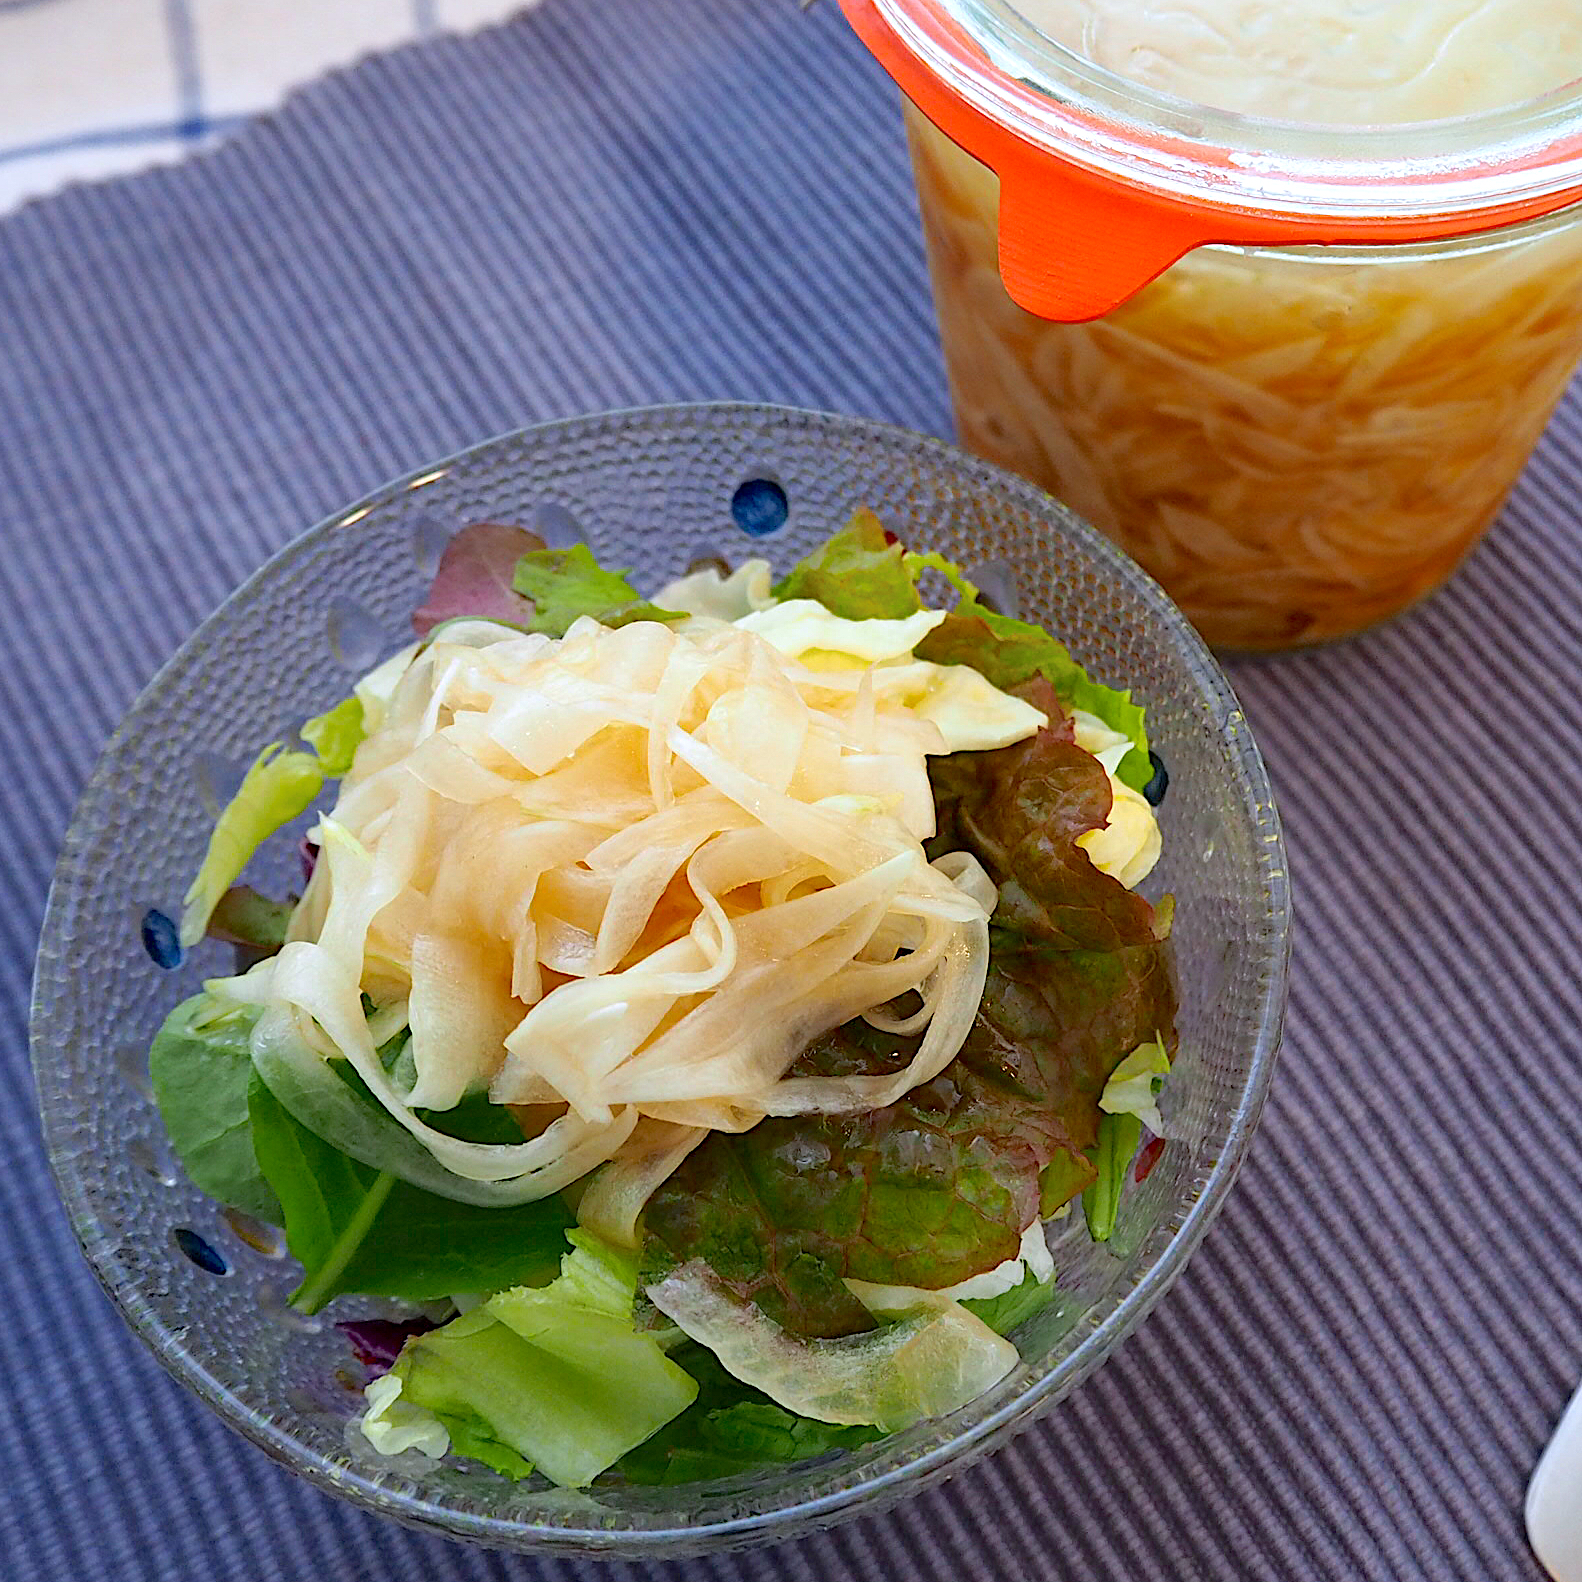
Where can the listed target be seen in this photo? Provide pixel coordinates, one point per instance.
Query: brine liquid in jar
(1297, 442)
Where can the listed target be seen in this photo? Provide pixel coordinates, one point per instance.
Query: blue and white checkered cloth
(92, 88)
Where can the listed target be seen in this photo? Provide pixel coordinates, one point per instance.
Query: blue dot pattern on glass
(1159, 782)
(760, 507)
(161, 940)
(196, 1250)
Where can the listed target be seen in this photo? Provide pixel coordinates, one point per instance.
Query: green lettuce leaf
(336, 735)
(354, 1228)
(925, 1364)
(475, 1119)
(567, 583)
(753, 1433)
(729, 1429)
(1065, 1177)
(737, 1439)
(859, 574)
(201, 1070)
(276, 789)
(1135, 1084)
(559, 1375)
(472, 1437)
(1012, 1308)
(1118, 1138)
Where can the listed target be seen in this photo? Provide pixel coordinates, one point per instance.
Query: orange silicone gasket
(1128, 234)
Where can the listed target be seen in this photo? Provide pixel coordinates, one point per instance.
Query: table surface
(609, 204)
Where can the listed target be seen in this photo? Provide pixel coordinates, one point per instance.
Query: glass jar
(1297, 441)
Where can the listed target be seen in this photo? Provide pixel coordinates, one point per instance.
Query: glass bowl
(655, 489)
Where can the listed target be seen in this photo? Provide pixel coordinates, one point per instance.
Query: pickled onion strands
(629, 874)
(1297, 444)
(619, 1192)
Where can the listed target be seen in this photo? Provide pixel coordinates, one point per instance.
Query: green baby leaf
(354, 1228)
(244, 917)
(1118, 1139)
(1011, 1308)
(201, 1069)
(472, 1437)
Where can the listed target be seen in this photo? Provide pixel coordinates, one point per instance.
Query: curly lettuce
(926, 1192)
(1012, 653)
(278, 787)
(864, 573)
(939, 1187)
(565, 584)
(336, 735)
(860, 573)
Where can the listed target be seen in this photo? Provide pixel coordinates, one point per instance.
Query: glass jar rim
(991, 55)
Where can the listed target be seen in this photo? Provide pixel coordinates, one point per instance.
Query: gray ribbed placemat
(621, 201)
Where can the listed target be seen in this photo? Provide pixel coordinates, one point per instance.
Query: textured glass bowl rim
(1136, 134)
(893, 1482)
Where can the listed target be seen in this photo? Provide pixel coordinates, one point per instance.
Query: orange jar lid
(1096, 202)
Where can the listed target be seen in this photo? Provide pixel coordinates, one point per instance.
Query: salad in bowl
(418, 1122)
(697, 1005)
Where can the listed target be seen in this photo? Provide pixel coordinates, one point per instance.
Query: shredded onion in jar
(1297, 444)
(628, 875)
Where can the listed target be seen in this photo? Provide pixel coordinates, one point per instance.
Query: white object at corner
(1554, 1499)
(94, 88)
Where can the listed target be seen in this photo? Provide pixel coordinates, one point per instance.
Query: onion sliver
(631, 873)
(309, 1089)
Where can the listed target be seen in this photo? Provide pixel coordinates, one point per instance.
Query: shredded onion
(629, 875)
(621, 1189)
